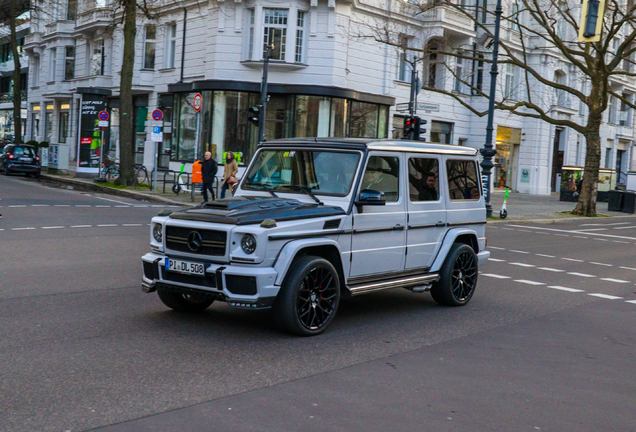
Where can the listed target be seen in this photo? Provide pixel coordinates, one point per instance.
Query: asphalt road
(547, 343)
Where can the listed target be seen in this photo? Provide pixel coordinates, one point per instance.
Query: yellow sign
(36, 107)
(591, 5)
(509, 135)
(50, 107)
(65, 106)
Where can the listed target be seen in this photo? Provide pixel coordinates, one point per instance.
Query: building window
(626, 113)
(611, 111)
(71, 10)
(149, 46)
(52, 63)
(478, 75)
(171, 45)
(69, 66)
(561, 95)
(405, 69)
(275, 32)
(460, 74)
(35, 125)
(514, 25)
(48, 125)
(608, 157)
(441, 132)
(510, 83)
(35, 65)
(250, 44)
(64, 116)
(300, 35)
(96, 56)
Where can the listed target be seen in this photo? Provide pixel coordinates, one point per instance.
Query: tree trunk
(17, 92)
(587, 198)
(126, 127)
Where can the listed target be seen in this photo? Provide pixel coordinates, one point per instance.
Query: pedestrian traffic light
(409, 128)
(591, 24)
(254, 115)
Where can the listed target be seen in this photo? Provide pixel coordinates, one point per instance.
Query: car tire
(183, 302)
(6, 170)
(458, 277)
(36, 175)
(309, 297)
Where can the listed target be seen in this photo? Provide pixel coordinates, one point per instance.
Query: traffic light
(591, 24)
(419, 122)
(409, 128)
(254, 115)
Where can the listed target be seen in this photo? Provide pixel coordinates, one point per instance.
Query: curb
(553, 220)
(93, 187)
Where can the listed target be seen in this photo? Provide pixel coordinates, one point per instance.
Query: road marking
(497, 248)
(615, 280)
(529, 282)
(524, 230)
(522, 264)
(630, 301)
(594, 229)
(82, 205)
(518, 251)
(102, 206)
(617, 241)
(628, 268)
(140, 206)
(591, 225)
(601, 264)
(605, 296)
(551, 269)
(127, 206)
(583, 237)
(576, 232)
(112, 200)
(572, 259)
(17, 206)
(539, 232)
(581, 274)
(561, 288)
(62, 205)
(618, 223)
(107, 225)
(599, 239)
(496, 276)
(131, 225)
(21, 229)
(81, 226)
(629, 227)
(53, 227)
(563, 235)
(496, 260)
(40, 205)
(546, 256)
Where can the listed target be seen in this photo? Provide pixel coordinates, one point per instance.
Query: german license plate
(25, 159)
(185, 267)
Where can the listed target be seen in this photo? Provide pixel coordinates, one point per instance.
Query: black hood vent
(331, 224)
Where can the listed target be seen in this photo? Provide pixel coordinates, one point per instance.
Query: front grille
(244, 285)
(213, 241)
(209, 280)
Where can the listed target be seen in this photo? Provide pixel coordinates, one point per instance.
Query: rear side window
(24, 152)
(463, 180)
(423, 179)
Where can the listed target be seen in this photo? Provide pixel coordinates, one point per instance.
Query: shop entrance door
(557, 157)
(507, 160)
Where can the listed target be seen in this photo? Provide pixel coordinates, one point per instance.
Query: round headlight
(248, 244)
(157, 232)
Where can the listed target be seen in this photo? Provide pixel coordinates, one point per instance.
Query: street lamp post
(261, 124)
(488, 152)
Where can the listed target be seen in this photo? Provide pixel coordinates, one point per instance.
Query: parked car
(315, 220)
(20, 158)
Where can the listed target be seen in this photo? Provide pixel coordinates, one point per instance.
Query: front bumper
(482, 258)
(241, 286)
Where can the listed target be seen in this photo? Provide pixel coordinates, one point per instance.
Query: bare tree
(540, 35)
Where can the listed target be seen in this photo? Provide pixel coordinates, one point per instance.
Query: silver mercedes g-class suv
(313, 220)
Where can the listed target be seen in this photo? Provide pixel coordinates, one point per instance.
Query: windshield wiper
(306, 190)
(262, 186)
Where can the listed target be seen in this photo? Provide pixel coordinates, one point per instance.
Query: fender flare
(449, 239)
(291, 249)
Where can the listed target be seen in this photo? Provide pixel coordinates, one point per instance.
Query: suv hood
(254, 210)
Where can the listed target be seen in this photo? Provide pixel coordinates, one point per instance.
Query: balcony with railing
(94, 15)
(449, 19)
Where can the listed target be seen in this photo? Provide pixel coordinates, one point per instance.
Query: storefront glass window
(364, 120)
(140, 130)
(49, 126)
(35, 125)
(230, 128)
(187, 125)
(312, 116)
(338, 118)
(7, 132)
(113, 141)
(383, 122)
(63, 126)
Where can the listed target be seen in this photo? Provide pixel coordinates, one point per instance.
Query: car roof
(373, 144)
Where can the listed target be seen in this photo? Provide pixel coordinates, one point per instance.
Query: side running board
(403, 282)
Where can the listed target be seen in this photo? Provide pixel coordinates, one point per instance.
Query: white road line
(518, 251)
(615, 280)
(107, 225)
(524, 230)
(496, 260)
(605, 296)
(618, 241)
(601, 264)
(496, 248)
(583, 237)
(131, 225)
(126, 206)
(581, 274)
(599, 239)
(542, 233)
(551, 269)
(40, 205)
(528, 282)
(593, 229)
(17, 206)
(629, 227)
(561, 288)
(141, 206)
(62, 205)
(496, 276)
(630, 301)
(522, 264)
(618, 223)
(103, 206)
(545, 256)
(572, 259)
(563, 235)
(52, 227)
(591, 225)
(628, 268)
(22, 229)
(81, 226)
(82, 205)
(576, 232)
(112, 200)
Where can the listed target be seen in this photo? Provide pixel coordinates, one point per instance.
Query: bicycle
(111, 169)
(141, 176)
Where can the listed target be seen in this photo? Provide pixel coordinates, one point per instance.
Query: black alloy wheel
(184, 302)
(309, 297)
(458, 277)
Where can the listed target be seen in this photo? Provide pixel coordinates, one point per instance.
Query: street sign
(402, 107)
(197, 102)
(156, 135)
(103, 115)
(157, 115)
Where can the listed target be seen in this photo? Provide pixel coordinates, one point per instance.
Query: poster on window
(90, 133)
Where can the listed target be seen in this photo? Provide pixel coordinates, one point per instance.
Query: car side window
(382, 174)
(463, 180)
(423, 179)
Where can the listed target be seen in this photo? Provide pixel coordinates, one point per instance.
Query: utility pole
(488, 152)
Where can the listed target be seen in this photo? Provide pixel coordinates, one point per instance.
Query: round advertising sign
(197, 102)
(103, 115)
(157, 115)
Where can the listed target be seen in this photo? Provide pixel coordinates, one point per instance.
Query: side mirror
(370, 197)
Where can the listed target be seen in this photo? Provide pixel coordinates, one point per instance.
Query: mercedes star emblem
(195, 241)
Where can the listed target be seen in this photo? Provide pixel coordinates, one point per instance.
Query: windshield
(318, 171)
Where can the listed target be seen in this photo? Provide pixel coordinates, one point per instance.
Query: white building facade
(7, 66)
(325, 79)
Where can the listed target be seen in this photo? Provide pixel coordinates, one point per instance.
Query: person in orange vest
(209, 168)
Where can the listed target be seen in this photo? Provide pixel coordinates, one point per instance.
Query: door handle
(398, 227)
(440, 224)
